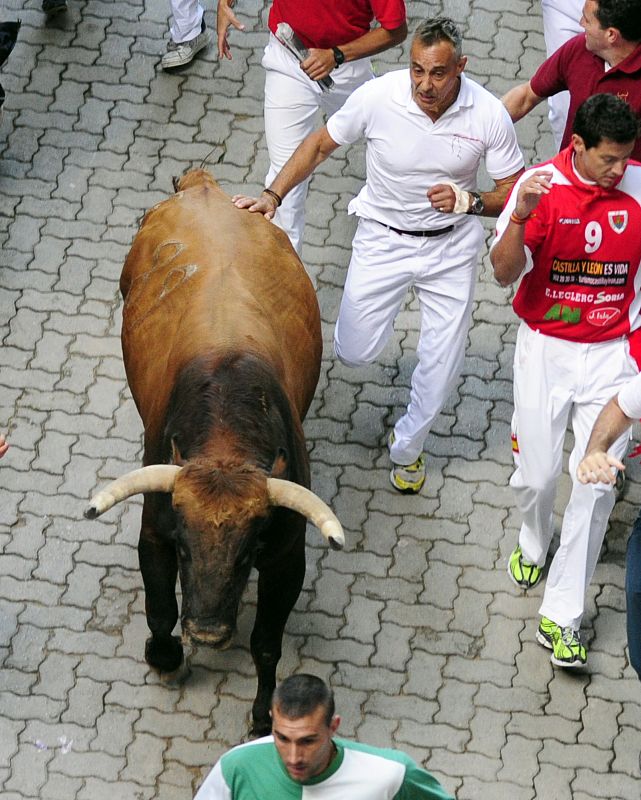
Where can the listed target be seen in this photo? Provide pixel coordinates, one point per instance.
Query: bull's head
(219, 514)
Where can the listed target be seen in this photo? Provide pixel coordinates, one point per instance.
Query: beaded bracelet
(277, 197)
(519, 220)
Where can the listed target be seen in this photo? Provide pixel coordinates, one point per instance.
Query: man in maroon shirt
(606, 58)
(339, 39)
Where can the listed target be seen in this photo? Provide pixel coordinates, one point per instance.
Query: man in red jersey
(571, 229)
(338, 36)
(606, 58)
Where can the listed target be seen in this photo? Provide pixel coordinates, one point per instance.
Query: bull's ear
(279, 467)
(176, 182)
(176, 458)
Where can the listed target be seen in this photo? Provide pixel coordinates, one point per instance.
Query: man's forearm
(520, 100)
(311, 152)
(609, 425)
(374, 41)
(494, 200)
(508, 255)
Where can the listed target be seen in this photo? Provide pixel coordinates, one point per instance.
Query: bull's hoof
(177, 677)
(165, 655)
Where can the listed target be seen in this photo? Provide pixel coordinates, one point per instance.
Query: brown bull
(222, 345)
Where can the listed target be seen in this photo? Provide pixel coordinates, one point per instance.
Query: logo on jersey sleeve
(618, 220)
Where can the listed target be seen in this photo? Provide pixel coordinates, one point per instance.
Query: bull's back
(205, 278)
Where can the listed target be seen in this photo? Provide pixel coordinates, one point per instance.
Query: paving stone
(29, 770)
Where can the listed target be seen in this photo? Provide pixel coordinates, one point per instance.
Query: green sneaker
(523, 574)
(407, 478)
(545, 632)
(565, 643)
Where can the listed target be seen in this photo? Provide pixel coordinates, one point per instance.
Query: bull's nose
(218, 635)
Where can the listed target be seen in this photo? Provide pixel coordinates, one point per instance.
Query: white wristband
(462, 204)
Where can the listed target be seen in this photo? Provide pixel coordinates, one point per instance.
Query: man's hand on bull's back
(265, 204)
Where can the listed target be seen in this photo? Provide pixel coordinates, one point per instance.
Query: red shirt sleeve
(550, 77)
(390, 14)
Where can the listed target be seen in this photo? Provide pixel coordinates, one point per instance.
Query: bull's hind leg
(159, 568)
(279, 584)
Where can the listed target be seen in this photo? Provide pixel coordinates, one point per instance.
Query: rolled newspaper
(288, 39)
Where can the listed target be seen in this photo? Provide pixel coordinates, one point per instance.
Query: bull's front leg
(279, 585)
(159, 568)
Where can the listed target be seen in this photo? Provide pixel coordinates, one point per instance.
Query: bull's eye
(183, 553)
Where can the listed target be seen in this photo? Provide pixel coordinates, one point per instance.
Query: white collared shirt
(407, 153)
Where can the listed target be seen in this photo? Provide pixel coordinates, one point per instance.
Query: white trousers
(556, 381)
(186, 20)
(442, 271)
(292, 102)
(560, 23)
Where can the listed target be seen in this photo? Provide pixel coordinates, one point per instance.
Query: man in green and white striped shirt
(302, 760)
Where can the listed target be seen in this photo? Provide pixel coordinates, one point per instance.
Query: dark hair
(605, 116)
(439, 29)
(300, 695)
(624, 15)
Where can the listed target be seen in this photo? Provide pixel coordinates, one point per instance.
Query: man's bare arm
(311, 152)
(495, 200)
(508, 254)
(321, 62)
(450, 199)
(520, 101)
(596, 465)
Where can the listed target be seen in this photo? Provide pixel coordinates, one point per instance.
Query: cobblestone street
(427, 644)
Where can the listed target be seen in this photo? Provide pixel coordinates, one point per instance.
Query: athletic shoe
(522, 573)
(407, 478)
(51, 7)
(565, 643)
(181, 53)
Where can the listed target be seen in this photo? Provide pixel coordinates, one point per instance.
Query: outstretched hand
(3, 445)
(225, 18)
(265, 204)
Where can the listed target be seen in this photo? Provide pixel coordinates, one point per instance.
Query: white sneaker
(179, 54)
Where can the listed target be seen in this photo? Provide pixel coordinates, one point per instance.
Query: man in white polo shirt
(427, 130)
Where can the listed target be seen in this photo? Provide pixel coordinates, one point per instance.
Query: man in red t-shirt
(571, 228)
(339, 38)
(606, 58)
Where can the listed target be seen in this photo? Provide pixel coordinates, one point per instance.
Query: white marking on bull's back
(139, 305)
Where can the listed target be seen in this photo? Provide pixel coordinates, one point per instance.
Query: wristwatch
(339, 56)
(478, 206)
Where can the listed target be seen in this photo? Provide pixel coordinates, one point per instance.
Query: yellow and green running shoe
(565, 644)
(522, 573)
(407, 478)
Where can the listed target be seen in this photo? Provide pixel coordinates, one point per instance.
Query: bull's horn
(154, 478)
(298, 498)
